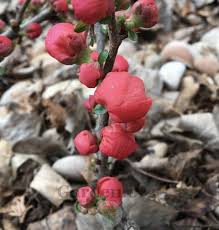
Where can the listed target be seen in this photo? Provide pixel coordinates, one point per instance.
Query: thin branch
(150, 174)
(42, 16)
(115, 41)
(20, 15)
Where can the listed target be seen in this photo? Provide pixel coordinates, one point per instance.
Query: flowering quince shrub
(119, 99)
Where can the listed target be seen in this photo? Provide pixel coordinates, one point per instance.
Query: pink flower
(89, 74)
(116, 142)
(85, 196)
(133, 126)
(33, 30)
(110, 188)
(2, 24)
(6, 46)
(89, 103)
(145, 13)
(59, 5)
(120, 65)
(123, 95)
(21, 2)
(86, 143)
(64, 44)
(92, 11)
(94, 56)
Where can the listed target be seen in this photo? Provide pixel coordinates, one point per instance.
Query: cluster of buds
(118, 93)
(124, 98)
(107, 196)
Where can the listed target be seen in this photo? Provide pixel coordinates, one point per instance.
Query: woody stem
(115, 41)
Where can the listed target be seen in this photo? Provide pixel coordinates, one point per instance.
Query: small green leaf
(104, 29)
(2, 71)
(81, 27)
(84, 57)
(106, 20)
(102, 57)
(99, 110)
(132, 36)
(77, 207)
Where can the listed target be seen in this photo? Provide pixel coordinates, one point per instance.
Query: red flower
(133, 126)
(86, 143)
(21, 2)
(33, 30)
(145, 13)
(59, 5)
(90, 103)
(124, 97)
(116, 142)
(6, 46)
(110, 188)
(92, 11)
(2, 24)
(64, 44)
(85, 196)
(120, 65)
(94, 56)
(89, 74)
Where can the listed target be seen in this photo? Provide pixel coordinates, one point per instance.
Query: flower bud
(120, 65)
(133, 126)
(64, 44)
(21, 2)
(127, 101)
(89, 74)
(6, 46)
(144, 14)
(59, 6)
(94, 56)
(2, 25)
(33, 30)
(122, 4)
(112, 190)
(92, 11)
(86, 143)
(116, 142)
(89, 103)
(85, 196)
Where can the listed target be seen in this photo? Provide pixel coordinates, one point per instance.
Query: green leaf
(102, 57)
(104, 29)
(84, 57)
(2, 71)
(77, 207)
(99, 110)
(81, 27)
(132, 36)
(106, 20)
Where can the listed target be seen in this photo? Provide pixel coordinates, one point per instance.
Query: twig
(115, 41)
(150, 174)
(15, 28)
(45, 14)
